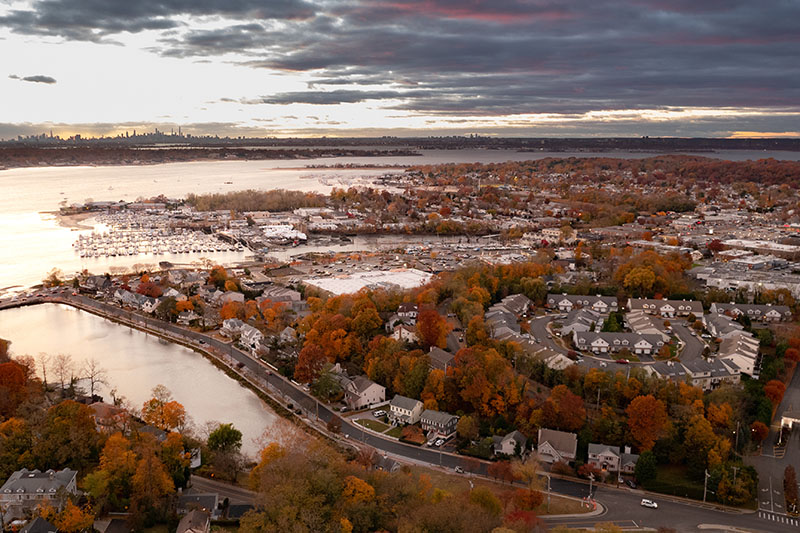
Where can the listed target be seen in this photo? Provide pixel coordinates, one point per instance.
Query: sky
(532, 68)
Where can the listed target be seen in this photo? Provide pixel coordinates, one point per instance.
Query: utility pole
(591, 479)
(548, 493)
(735, 468)
(705, 485)
(736, 446)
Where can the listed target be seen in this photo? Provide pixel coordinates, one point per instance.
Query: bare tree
(64, 369)
(44, 360)
(94, 373)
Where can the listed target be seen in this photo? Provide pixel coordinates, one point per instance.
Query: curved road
(622, 505)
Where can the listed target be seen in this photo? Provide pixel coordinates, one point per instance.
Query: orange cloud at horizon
(763, 134)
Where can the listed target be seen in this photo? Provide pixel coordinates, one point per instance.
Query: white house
(405, 334)
(404, 410)
(25, 489)
(362, 392)
(666, 308)
(555, 446)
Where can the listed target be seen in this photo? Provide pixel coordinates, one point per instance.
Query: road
(622, 505)
(692, 346)
(540, 333)
(236, 495)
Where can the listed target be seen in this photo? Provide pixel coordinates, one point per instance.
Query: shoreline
(72, 221)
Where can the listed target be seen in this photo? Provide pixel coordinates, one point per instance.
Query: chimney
(628, 450)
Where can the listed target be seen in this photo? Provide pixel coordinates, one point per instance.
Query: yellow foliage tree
(74, 519)
(356, 490)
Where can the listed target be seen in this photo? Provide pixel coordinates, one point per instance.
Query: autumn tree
(232, 309)
(647, 420)
(164, 412)
(759, 431)
(432, 328)
(563, 410)
(467, 427)
(74, 519)
(12, 388)
(110, 485)
(150, 483)
(774, 390)
(68, 437)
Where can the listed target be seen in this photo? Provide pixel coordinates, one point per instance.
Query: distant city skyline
(519, 68)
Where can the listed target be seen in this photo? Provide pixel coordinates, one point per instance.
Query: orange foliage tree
(432, 328)
(647, 420)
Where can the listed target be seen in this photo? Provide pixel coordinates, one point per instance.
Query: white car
(649, 503)
(459, 470)
(438, 442)
(379, 413)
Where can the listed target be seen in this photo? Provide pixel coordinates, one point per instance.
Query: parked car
(631, 484)
(438, 442)
(649, 503)
(459, 470)
(622, 361)
(379, 413)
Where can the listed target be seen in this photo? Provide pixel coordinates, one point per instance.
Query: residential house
(185, 318)
(276, 293)
(408, 310)
(404, 410)
(603, 457)
(362, 392)
(516, 304)
(108, 418)
(288, 335)
(405, 334)
(231, 327)
(172, 293)
(627, 462)
(643, 324)
(38, 525)
(762, 313)
(666, 308)
(741, 348)
(568, 302)
(205, 502)
(440, 359)
(581, 320)
(25, 489)
(438, 423)
(720, 326)
(195, 522)
(555, 446)
(513, 443)
(607, 342)
(231, 296)
(250, 337)
(149, 305)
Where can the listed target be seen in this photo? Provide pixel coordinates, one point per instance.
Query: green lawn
(394, 432)
(672, 479)
(374, 425)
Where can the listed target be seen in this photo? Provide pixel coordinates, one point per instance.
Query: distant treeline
(250, 200)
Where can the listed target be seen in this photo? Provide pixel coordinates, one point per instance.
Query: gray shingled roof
(404, 403)
(34, 481)
(437, 417)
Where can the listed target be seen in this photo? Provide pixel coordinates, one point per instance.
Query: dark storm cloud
(473, 57)
(92, 20)
(34, 79)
